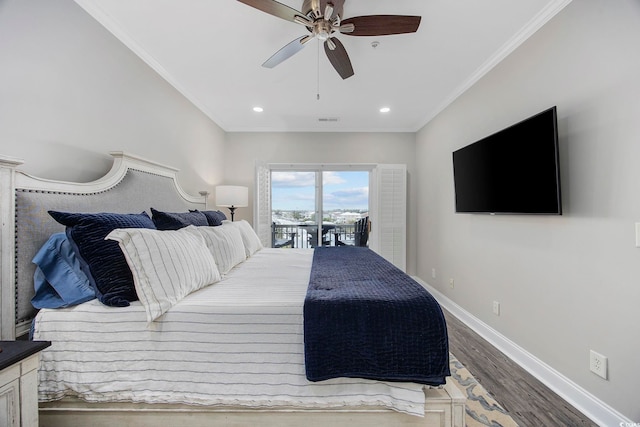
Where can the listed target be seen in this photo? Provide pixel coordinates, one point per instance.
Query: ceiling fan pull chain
(318, 73)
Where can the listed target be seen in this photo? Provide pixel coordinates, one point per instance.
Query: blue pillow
(177, 220)
(214, 218)
(102, 260)
(59, 281)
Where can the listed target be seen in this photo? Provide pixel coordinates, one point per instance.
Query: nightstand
(19, 382)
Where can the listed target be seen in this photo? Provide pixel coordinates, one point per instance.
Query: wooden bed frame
(143, 184)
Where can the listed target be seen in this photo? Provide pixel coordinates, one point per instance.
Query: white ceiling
(212, 51)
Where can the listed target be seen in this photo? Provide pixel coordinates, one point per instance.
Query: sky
(341, 190)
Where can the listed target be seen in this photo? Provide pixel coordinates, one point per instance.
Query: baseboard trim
(597, 410)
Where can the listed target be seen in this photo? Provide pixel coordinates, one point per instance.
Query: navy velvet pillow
(177, 220)
(102, 260)
(214, 218)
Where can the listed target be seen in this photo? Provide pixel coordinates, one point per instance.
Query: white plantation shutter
(389, 213)
(262, 206)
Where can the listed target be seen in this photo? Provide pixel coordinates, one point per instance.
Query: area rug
(482, 409)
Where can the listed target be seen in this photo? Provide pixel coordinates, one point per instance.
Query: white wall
(566, 284)
(70, 92)
(243, 150)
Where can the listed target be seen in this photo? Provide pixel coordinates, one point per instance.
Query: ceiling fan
(323, 18)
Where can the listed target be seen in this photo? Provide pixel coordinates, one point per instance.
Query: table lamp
(232, 197)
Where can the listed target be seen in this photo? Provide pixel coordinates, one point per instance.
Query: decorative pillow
(224, 243)
(166, 265)
(250, 239)
(102, 261)
(214, 218)
(59, 281)
(177, 220)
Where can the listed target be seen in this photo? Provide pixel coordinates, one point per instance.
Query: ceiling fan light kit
(323, 19)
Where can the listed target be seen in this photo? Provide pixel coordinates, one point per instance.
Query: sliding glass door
(312, 208)
(300, 217)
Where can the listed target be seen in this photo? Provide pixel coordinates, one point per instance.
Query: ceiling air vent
(328, 119)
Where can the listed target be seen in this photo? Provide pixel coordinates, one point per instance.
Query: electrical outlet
(451, 283)
(496, 308)
(598, 364)
(433, 273)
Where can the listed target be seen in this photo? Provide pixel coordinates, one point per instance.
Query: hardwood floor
(527, 400)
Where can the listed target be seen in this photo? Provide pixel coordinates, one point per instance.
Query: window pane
(293, 195)
(345, 200)
(293, 207)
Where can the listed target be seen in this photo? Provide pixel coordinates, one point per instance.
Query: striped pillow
(224, 243)
(250, 239)
(166, 265)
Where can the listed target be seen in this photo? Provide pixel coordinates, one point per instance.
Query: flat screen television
(513, 171)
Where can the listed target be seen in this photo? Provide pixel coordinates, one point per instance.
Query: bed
(235, 378)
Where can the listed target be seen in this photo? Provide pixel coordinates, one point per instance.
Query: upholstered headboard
(132, 185)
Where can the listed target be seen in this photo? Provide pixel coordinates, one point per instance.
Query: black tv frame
(497, 164)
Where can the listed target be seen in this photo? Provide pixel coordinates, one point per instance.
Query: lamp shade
(232, 195)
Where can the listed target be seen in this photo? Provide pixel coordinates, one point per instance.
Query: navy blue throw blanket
(365, 318)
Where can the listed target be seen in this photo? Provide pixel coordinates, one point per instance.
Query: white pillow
(224, 243)
(252, 243)
(166, 265)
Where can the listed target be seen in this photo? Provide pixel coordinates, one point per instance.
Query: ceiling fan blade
(339, 58)
(381, 25)
(287, 51)
(274, 8)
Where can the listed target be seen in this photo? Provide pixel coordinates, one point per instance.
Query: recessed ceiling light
(385, 109)
(258, 109)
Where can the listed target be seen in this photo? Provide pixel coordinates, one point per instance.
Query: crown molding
(108, 22)
(530, 28)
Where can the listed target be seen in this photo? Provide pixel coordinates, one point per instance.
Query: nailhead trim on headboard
(138, 189)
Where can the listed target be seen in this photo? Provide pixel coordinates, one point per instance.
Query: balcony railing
(306, 236)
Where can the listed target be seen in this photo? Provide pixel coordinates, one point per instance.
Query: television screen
(514, 171)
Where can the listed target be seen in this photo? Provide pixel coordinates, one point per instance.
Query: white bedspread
(237, 342)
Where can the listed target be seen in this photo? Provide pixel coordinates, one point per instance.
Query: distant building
(347, 217)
